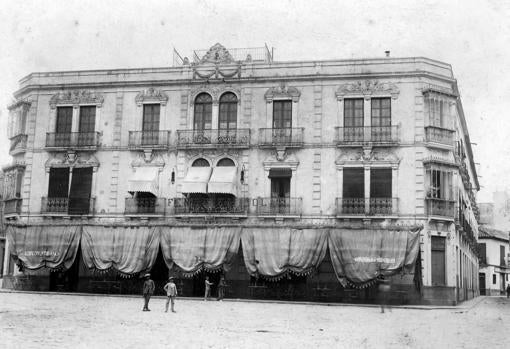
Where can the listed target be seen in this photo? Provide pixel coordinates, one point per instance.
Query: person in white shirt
(171, 293)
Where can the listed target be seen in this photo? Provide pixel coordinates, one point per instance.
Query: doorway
(199, 283)
(481, 282)
(159, 273)
(67, 280)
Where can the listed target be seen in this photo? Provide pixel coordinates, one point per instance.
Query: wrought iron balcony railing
(149, 139)
(367, 207)
(440, 207)
(287, 137)
(236, 138)
(145, 206)
(212, 205)
(279, 206)
(439, 135)
(18, 144)
(375, 135)
(76, 140)
(67, 206)
(12, 206)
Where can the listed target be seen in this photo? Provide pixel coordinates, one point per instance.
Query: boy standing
(208, 285)
(148, 290)
(171, 293)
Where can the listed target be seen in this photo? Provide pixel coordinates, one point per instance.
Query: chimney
(387, 53)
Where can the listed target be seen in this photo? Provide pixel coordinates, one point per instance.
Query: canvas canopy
(52, 247)
(361, 255)
(193, 250)
(145, 179)
(129, 250)
(196, 180)
(273, 253)
(223, 180)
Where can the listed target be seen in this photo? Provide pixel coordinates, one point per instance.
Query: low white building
(494, 261)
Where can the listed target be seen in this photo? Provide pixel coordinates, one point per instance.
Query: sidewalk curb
(328, 304)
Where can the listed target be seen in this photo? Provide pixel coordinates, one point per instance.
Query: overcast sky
(473, 36)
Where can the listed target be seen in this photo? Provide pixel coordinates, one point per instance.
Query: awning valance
(361, 255)
(274, 252)
(52, 247)
(196, 180)
(223, 180)
(145, 179)
(129, 250)
(193, 250)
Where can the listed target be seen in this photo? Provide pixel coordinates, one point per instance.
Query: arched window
(203, 112)
(201, 163)
(228, 112)
(226, 162)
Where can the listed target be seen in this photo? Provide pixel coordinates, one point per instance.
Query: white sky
(473, 36)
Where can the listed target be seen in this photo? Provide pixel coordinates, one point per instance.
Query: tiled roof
(488, 233)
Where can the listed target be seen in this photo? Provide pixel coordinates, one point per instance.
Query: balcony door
(282, 122)
(280, 190)
(86, 126)
(353, 120)
(150, 124)
(227, 121)
(64, 126)
(353, 192)
(202, 119)
(381, 120)
(80, 192)
(380, 191)
(438, 260)
(58, 190)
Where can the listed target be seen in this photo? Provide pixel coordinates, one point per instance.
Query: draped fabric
(53, 247)
(274, 252)
(360, 255)
(194, 250)
(129, 250)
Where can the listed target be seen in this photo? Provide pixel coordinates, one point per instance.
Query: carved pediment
(151, 95)
(151, 159)
(367, 89)
(281, 158)
(76, 98)
(217, 63)
(217, 54)
(71, 159)
(282, 92)
(367, 156)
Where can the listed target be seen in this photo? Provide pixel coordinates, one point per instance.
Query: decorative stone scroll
(148, 160)
(277, 159)
(217, 63)
(151, 95)
(367, 89)
(76, 97)
(367, 156)
(282, 92)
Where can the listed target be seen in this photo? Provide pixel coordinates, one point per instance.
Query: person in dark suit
(148, 290)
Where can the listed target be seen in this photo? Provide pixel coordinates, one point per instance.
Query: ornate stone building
(294, 180)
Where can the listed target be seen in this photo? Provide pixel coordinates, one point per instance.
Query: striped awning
(196, 180)
(145, 179)
(223, 180)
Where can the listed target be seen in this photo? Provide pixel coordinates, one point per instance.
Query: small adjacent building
(494, 247)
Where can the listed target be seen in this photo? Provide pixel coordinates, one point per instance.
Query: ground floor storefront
(256, 262)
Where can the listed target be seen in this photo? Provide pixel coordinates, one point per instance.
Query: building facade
(299, 180)
(494, 261)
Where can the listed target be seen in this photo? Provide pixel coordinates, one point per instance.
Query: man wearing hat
(171, 293)
(148, 290)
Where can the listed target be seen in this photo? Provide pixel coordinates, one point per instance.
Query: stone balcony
(72, 141)
(367, 135)
(192, 139)
(281, 137)
(149, 140)
(366, 207)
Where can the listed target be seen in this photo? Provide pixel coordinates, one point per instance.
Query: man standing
(148, 290)
(221, 288)
(171, 293)
(208, 285)
(508, 291)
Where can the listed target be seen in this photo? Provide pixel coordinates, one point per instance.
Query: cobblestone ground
(65, 321)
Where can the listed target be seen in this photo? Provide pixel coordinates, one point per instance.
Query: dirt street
(65, 321)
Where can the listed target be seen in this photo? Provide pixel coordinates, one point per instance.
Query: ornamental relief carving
(367, 156)
(72, 160)
(215, 91)
(279, 159)
(282, 92)
(212, 155)
(367, 89)
(76, 97)
(151, 95)
(216, 63)
(148, 160)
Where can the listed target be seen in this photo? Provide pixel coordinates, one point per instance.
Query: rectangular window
(87, 119)
(483, 253)
(64, 119)
(493, 279)
(381, 112)
(280, 190)
(502, 255)
(354, 183)
(380, 183)
(59, 183)
(438, 112)
(79, 194)
(282, 114)
(438, 249)
(150, 124)
(440, 184)
(2, 252)
(354, 112)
